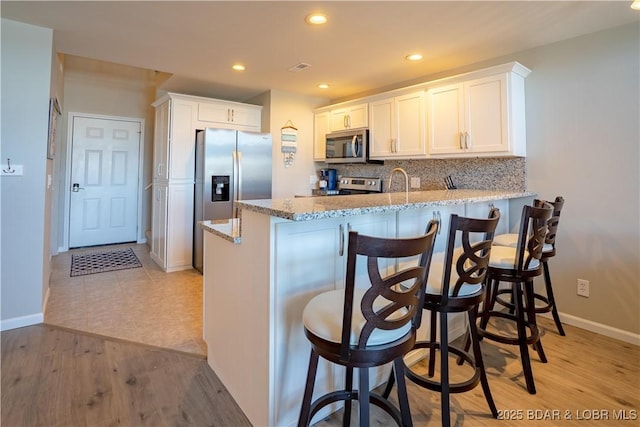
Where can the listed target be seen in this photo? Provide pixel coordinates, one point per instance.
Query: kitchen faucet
(406, 178)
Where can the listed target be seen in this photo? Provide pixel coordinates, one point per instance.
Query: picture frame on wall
(54, 112)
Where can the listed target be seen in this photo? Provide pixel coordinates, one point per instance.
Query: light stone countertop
(313, 208)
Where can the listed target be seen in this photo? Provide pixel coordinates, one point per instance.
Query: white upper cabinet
(320, 130)
(478, 117)
(174, 139)
(350, 117)
(396, 127)
(230, 115)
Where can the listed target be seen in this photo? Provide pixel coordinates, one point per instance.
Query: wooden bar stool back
(518, 267)
(370, 327)
(549, 251)
(456, 285)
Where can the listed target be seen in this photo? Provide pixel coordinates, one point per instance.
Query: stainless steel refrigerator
(230, 165)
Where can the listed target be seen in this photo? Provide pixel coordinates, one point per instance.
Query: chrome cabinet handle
(341, 240)
(467, 138)
(460, 138)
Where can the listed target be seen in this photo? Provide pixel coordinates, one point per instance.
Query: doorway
(104, 183)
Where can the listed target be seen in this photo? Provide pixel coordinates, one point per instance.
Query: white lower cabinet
(159, 225)
(482, 209)
(310, 258)
(172, 221)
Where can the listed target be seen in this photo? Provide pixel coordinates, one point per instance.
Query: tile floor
(144, 305)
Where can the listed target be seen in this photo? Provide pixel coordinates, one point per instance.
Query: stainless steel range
(353, 185)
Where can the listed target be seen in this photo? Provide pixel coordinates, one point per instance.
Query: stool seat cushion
(434, 281)
(322, 317)
(504, 257)
(511, 240)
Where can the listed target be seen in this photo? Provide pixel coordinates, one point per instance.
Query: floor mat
(100, 262)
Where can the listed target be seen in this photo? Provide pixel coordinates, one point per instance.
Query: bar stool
(456, 285)
(518, 266)
(364, 328)
(549, 251)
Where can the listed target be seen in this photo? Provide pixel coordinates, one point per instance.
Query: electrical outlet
(583, 288)
(415, 182)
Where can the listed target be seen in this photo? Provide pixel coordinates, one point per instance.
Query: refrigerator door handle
(239, 181)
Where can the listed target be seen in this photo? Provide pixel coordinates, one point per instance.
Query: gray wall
(582, 143)
(27, 53)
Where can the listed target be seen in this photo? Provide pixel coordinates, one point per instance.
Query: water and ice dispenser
(220, 188)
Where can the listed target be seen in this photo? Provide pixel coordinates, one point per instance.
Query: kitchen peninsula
(260, 271)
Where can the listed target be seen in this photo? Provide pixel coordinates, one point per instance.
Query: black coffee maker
(329, 177)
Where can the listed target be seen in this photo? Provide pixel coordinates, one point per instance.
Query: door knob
(76, 187)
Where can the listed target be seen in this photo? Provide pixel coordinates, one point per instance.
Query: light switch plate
(415, 182)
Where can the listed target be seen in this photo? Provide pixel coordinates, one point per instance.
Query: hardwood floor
(56, 377)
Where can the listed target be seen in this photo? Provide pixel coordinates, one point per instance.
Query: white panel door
(104, 181)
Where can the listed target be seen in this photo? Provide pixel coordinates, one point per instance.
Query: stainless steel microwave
(348, 146)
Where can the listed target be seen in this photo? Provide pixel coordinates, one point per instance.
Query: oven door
(346, 147)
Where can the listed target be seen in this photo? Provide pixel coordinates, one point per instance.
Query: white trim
(67, 180)
(599, 328)
(21, 322)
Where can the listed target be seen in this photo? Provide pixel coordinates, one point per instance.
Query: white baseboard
(21, 322)
(599, 328)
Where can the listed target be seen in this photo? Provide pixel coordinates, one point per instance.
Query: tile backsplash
(476, 173)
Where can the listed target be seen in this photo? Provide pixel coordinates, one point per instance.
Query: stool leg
(444, 370)
(363, 396)
(390, 382)
(490, 300)
(403, 399)
(304, 420)
(432, 340)
(522, 338)
(530, 305)
(551, 298)
(477, 355)
(348, 385)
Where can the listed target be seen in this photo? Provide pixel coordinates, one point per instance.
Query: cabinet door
(161, 141)
(377, 225)
(159, 225)
(352, 117)
(414, 222)
(409, 119)
(445, 119)
(229, 115)
(180, 227)
(381, 128)
(486, 114)
(481, 210)
(305, 265)
(320, 130)
(182, 142)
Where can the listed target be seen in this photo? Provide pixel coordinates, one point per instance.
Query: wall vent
(299, 67)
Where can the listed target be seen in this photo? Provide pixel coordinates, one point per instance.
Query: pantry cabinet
(477, 117)
(349, 117)
(396, 127)
(176, 120)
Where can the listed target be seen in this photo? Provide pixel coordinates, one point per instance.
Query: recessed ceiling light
(238, 67)
(413, 57)
(316, 18)
(635, 5)
(323, 86)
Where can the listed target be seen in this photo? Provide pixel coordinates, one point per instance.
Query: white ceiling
(362, 47)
